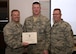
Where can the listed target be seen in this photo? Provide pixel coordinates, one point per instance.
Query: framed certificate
(29, 37)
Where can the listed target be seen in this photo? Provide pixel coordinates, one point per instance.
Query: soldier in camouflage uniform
(40, 24)
(12, 34)
(61, 35)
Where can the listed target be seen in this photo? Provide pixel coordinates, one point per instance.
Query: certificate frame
(29, 37)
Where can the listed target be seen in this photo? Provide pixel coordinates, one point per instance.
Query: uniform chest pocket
(17, 30)
(41, 29)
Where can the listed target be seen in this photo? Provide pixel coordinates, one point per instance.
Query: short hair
(36, 3)
(58, 9)
(14, 10)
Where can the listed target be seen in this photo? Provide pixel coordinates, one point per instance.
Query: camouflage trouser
(14, 51)
(60, 53)
(57, 51)
(35, 52)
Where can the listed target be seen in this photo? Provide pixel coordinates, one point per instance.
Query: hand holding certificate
(29, 37)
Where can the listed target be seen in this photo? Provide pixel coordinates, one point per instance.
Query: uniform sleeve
(68, 33)
(10, 40)
(24, 26)
(48, 34)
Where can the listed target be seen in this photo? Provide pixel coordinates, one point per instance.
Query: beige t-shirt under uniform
(35, 19)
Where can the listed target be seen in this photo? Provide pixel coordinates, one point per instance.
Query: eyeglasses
(56, 14)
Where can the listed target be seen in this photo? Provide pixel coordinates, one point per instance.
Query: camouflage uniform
(61, 38)
(12, 37)
(42, 27)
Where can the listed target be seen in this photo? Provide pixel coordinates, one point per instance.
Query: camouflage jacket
(61, 38)
(42, 27)
(12, 36)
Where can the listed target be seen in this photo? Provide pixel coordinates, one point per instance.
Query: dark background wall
(4, 18)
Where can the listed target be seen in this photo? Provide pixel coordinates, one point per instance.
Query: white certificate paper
(29, 37)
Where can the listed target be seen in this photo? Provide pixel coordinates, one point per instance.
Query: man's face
(36, 9)
(56, 16)
(15, 16)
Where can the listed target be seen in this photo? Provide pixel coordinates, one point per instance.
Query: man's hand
(25, 44)
(45, 52)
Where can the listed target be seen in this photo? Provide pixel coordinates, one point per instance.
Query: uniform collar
(58, 22)
(14, 23)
